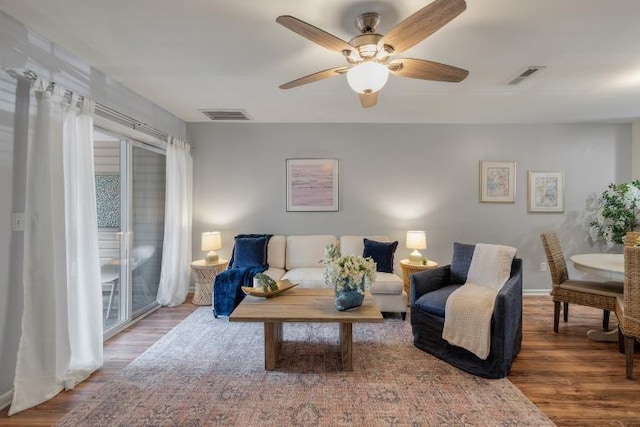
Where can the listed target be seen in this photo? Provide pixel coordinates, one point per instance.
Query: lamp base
(211, 258)
(415, 257)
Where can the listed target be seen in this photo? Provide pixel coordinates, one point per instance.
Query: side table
(408, 269)
(204, 274)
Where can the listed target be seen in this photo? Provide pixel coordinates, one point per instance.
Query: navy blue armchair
(429, 292)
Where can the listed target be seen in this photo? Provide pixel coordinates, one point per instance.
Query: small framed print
(312, 185)
(545, 192)
(497, 181)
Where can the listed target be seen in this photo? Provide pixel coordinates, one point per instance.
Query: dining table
(608, 266)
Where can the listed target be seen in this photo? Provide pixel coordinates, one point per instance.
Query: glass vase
(351, 297)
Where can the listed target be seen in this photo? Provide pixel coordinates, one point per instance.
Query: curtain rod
(109, 113)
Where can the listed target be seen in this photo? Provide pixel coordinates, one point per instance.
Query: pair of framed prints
(545, 190)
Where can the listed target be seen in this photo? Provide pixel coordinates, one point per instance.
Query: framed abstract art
(312, 185)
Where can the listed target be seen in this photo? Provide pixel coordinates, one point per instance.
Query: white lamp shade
(367, 77)
(211, 240)
(416, 240)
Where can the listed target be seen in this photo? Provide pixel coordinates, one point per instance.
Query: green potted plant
(617, 213)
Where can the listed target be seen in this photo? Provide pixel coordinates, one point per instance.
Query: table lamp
(211, 240)
(416, 240)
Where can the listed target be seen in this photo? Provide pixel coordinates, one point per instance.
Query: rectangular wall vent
(525, 74)
(222, 115)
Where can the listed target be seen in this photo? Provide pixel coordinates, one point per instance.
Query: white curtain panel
(84, 300)
(176, 252)
(61, 340)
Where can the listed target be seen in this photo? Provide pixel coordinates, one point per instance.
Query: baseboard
(5, 399)
(536, 292)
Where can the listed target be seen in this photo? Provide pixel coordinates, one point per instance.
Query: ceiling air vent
(525, 74)
(222, 115)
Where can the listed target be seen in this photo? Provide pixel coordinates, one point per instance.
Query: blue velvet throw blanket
(227, 286)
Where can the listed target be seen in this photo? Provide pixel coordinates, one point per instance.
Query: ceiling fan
(369, 55)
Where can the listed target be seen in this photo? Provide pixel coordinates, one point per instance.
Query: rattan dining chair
(600, 295)
(628, 305)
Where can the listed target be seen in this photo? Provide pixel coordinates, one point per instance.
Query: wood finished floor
(574, 381)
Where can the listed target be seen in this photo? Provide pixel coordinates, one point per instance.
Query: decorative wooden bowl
(283, 285)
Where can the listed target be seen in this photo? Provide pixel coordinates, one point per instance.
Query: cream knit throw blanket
(469, 308)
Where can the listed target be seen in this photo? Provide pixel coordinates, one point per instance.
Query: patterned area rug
(208, 371)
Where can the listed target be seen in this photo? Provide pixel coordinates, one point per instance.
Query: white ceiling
(190, 55)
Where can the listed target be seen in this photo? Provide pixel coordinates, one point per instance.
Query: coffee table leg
(346, 346)
(272, 343)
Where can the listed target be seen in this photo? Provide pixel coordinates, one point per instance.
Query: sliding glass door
(130, 194)
(147, 226)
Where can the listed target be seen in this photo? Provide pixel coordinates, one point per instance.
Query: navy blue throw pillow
(382, 254)
(250, 252)
(460, 263)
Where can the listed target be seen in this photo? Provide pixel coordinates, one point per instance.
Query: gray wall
(21, 48)
(394, 178)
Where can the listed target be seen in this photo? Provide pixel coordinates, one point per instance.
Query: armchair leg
(556, 315)
(566, 311)
(605, 320)
(629, 344)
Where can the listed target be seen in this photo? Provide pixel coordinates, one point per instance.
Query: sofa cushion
(381, 253)
(387, 283)
(460, 262)
(354, 245)
(306, 277)
(249, 252)
(276, 251)
(434, 302)
(307, 251)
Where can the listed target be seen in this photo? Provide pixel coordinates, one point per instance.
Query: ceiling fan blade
(314, 34)
(324, 74)
(368, 99)
(422, 24)
(426, 70)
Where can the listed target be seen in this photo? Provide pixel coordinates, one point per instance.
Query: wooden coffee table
(304, 305)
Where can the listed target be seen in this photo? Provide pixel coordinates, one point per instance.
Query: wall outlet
(17, 222)
(543, 266)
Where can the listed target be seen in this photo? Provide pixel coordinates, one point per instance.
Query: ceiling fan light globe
(367, 77)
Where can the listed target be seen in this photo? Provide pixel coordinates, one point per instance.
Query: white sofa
(297, 258)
